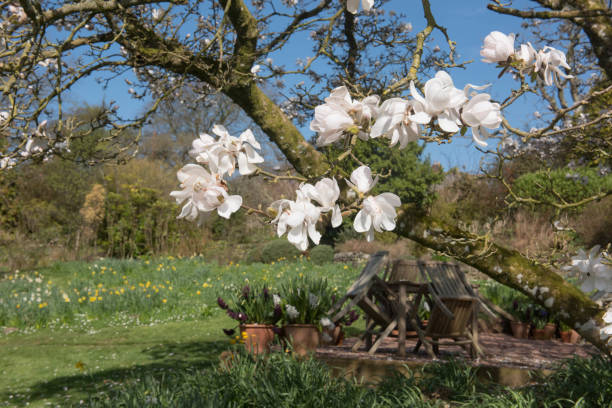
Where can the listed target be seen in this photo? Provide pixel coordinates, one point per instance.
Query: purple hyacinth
(221, 303)
(229, 332)
(353, 316)
(278, 312)
(245, 292)
(242, 317)
(266, 293)
(232, 314)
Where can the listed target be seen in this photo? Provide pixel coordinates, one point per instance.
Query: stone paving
(501, 350)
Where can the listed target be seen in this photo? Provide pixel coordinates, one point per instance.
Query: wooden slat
(374, 312)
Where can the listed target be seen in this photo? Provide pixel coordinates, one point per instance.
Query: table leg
(413, 321)
(401, 341)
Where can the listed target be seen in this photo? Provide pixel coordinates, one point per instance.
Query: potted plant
(256, 313)
(543, 328)
(305, 302)
(332, 334)
(522, 311)
(567, 334)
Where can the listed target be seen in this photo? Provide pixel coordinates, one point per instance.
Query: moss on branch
(508, 267)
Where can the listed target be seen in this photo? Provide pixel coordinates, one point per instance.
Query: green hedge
(278, 249)
(322, 254)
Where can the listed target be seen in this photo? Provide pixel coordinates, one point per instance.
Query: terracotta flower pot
(566, 336)
(550, 329)
(257, 337)
(332, 337)
(545, 333)
(303, 338)
(520, 330)
(570, 336)
(575, 337)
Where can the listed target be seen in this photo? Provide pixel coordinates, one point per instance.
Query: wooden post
(401, 316)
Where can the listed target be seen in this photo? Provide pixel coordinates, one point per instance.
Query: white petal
(230, 205)
(249, 137)
(477, 138)
(422, 118)
(295, 218)
(252, 155)
(391, 199)
(297, 236)
(367, 4)
(447, 123)
(314, 235)
(244, 166)
(363, 222)
(352, 5)
(336, 220)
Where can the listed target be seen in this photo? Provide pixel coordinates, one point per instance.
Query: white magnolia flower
(31, 148)
(7, 163)
(378, 214)
(497, 47)
(50, 63)
(442, 100)
(292, 312)
(326, 193)
(353, 5)
(300, 217)
(17, 13)
(606, 331)
(204, 192)
(255, 69)
(393, 122)
(4, 116)
(223, 154)
(340, 114)
(549, 60)
(481, 113)
(593, 273)
(361, 179)
(156, 14)
(203, 148)
(362, 111)
(527, 54)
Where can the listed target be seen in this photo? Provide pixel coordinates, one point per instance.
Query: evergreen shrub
(278, 249)
(322, 254)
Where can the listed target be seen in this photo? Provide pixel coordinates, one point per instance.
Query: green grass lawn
(149, 333)
(83, 327)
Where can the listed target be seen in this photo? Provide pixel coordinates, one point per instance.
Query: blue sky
(467, 22)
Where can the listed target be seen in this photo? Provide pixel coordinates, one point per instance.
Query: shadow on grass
(167, 357)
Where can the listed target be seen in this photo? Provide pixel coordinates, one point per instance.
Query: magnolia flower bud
(497, 47)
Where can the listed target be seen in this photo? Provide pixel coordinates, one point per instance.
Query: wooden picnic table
(409, 297)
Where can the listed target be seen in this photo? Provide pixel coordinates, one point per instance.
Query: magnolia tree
(227, 46)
